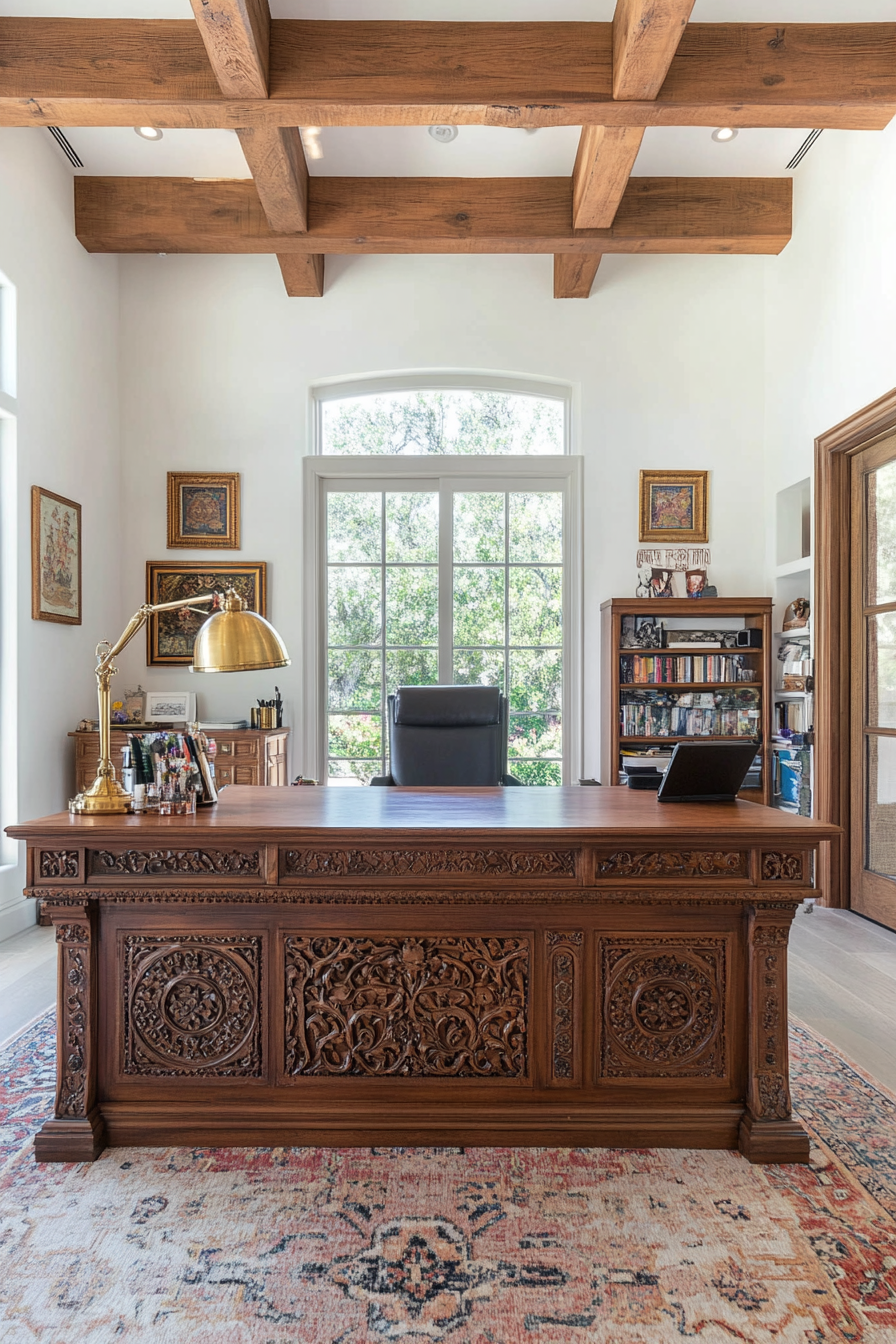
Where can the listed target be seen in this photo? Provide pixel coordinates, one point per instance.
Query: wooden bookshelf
(702, 614)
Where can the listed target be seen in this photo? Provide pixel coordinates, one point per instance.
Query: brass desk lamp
(233, 639)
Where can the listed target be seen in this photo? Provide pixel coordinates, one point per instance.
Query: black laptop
(706, 772)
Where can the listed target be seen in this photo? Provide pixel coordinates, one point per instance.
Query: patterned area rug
(477, 1246)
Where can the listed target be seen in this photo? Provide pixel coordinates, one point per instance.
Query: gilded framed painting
(55, 558)
(674, 506)
(170, 634)
(203, 510)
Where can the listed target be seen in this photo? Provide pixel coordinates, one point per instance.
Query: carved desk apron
(433, 966)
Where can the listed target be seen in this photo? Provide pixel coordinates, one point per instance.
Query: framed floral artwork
(170, 634)
(674, 506)
(203, 510)
(55, 558)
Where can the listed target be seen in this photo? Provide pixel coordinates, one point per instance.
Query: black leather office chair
(447, 735)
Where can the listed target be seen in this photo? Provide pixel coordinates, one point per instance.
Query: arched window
(442, 524)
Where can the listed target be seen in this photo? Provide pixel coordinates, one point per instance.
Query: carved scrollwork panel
(564, 952)
(663, 1007)
(672, 863)
(777, 866)
(434, 1007)
(59, 863)
(769, 1092)
(161, 862)
(429, 863)
(73, 925)
(192, 1006)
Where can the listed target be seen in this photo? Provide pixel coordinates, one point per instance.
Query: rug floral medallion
(475, 1246)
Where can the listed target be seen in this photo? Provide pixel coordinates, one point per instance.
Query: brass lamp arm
(138, 620)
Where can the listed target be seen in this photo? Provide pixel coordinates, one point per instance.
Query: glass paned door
(442, 584)
(873, 804)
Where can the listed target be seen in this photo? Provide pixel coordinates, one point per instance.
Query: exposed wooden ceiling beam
(276, 161)
(603, 166)
(237, 37)
(646, 34)
(574, 274)
(303, 274)
(427, 214)
(121, 72)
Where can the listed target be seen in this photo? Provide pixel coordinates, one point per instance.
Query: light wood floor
(842, 983)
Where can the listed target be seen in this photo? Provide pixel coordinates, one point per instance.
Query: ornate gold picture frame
(203, 510)
(55, 558)
(170, 634)
(673, 506)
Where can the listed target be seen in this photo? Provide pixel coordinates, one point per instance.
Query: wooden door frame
(831, 619)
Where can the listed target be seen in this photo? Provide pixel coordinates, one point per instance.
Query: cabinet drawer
(223, 774)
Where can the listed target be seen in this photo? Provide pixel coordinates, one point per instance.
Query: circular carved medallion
(193, 1008)
(661, 1008)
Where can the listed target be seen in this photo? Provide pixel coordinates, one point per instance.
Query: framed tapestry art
(673, 506)
(55, 558)
(170, 634)
(204, 509)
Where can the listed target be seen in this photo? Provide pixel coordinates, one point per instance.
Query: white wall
(67, 441)
(666, 361)
(830, 334)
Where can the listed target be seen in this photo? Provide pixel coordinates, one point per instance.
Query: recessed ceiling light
(725, 133)
(311, 141)
(149, 132)
(444, 134)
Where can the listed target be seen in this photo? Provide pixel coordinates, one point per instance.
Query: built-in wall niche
(793, 523)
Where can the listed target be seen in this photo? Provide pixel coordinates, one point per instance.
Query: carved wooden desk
(433, 966)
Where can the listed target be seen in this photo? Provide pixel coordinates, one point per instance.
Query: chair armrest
(384, 781)
(509, 779)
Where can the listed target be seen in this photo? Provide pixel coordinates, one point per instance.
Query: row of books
(795, 715)
(668, 721)
(659, 668)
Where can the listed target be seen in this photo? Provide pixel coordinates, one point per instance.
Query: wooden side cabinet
(244, 756)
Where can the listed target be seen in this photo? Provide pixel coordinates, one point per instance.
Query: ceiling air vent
(804, 149)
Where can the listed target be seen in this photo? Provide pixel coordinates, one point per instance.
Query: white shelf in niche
(803, 566)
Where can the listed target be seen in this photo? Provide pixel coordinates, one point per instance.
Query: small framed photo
(203, 510)
(673, 506)
(55, 558)
(170, 706)
(170, 634)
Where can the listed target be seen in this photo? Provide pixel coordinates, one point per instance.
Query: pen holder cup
(253, 717)
(267, 717)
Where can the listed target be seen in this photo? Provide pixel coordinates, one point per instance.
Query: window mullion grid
(383, 725)
(507, 602)
(446, 583)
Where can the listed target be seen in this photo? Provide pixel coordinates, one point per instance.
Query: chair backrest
(448, 735)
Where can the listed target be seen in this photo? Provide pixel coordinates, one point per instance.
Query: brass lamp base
(104, 797)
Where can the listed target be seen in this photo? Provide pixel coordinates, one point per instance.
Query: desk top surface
(573, 813)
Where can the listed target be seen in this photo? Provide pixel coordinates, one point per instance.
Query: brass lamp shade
(237, 640)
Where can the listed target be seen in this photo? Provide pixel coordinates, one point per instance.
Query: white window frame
(9, 728)
(387, 472)
(437, 380)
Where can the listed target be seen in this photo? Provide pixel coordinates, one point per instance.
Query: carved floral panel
(428, 1007)
(59, 863)
(672, 863)
(780, 867)
(160, 862)
(663, 1007)
(192, 1006)
(429, 862)
(564, 950)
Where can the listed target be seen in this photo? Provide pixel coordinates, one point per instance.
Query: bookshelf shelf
(686, 614)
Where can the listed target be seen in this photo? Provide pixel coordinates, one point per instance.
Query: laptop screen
(704, 772)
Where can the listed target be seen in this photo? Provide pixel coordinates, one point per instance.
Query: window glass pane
(537, 772)
(482, 667)
(882, 671)
(536, 605)
(411, 667)
(536, 679)
(354, 606)
(536, 526)
(355, 735)
(534, 735)
(443, 422)
(354, 772)
(412, 526)
(412, 605)
(478, 606)
(881, 846)
(354, 528)
(882, 534)
(354, 679)
(479, 527)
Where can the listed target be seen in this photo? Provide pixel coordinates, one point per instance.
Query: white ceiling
(409, 151)
(478, 151)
